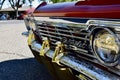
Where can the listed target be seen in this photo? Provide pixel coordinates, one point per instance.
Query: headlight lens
(106, 47)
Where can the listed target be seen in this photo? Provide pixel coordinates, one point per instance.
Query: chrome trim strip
(93, 21)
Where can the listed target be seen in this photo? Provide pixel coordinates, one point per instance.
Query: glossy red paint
(83, 9)
(31, 10)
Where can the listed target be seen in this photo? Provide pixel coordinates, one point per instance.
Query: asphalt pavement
(16, 59)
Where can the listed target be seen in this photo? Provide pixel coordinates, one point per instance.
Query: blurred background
(16, 9)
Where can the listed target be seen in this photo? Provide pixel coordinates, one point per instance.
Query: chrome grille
(55, 32)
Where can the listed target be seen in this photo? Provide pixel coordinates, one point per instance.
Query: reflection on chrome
(106, 47)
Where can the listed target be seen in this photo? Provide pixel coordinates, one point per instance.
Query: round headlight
(106, 47)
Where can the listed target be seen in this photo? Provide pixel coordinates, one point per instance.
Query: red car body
(84, 9)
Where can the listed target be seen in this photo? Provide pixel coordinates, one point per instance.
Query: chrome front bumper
(78, 65)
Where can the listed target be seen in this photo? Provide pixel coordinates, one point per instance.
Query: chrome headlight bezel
(107, 49)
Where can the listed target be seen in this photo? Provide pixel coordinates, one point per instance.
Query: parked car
(77, 40)
(3, 16)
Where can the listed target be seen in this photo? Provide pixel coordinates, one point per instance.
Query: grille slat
(52, 29)
(62, 35)
(51, 36)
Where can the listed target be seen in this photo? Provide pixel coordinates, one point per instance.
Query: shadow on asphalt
(23, 69)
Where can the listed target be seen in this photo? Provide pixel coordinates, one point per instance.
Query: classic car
(77, 40)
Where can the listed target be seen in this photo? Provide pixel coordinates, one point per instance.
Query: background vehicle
(78, 40)
(3, 16)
